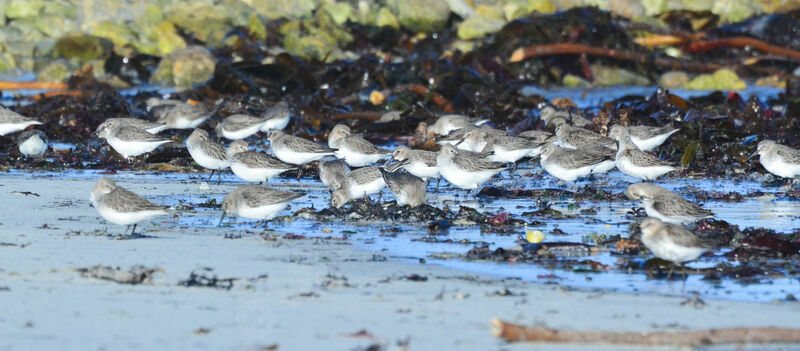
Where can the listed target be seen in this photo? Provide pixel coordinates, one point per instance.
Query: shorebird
(571, 164)
(637, 163)
(121, 206)
(294, 150)
(464, 169)
(256, 202)
(151, 127)
(239, 126)
(127, 140)
(254, 166)
(183, 115)
(332, 173)
(447, 123)
(207, 154)
(408, 189)
(32, 143)
(778, 159)
(647, 138)
(11, 122)
(276, 117)
(420, 163)
(154, 102)
(359, 183)
(353, 149)
(672, 242)
(573, 138)
(666, 205)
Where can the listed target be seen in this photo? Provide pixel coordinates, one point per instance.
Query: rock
(83, 48)
(573, 81)
(256, 27)
(420, 15)
(274, 9)
(651, 7)
(208, 21)
(168, 38)
(7, 61)
(386, 19)
(736, 10)
(514, 9)
(723, 79)
(339, 11)
(628, 8)
(54, 71)
(307, 46)
(478, 26)
(24, 8)
(604, 75)
(185, 67)
(673, 80)
(774, 80)
(119, 34)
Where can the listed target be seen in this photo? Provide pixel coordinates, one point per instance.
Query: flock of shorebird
(471, 154)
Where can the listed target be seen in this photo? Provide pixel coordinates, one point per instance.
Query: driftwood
(698, 337)
(5, 85)
(525, 53)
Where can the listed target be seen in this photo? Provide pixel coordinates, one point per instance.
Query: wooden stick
(4, 85)
(579, 49)
(437, 98)
(699, 337)
(657, 40)
(740, 42)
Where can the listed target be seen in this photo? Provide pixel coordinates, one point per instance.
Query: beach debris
(694, 338)
(133, 276)
(205, 280)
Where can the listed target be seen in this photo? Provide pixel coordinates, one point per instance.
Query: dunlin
(408, 189)
(256, 202)
(254, 166)
(32, 143)
(507, 148)
(666, 205)
(672, 242)
(276, 117)
(152, 127)
(573, 138)
(359, 183)
(11, 121)
(207, 154)
(420, 163)
(129, 141)
(239, 126)
(154, 102)
(183, 115)
(447, 123)
(353, 149)
(121, 206)
(455, 136)
(465, 169)
(295, 150)
(332, 173)
(571, 164)
(637, 163)
(778, 159)
(648, 138)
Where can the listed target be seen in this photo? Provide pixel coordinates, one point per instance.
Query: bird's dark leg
(438, 180)
(133, 231)
(671, 268)
(468, 191)
(211, 175)
(219, 177)
(514, 169)
(126, 230)
(380, 196)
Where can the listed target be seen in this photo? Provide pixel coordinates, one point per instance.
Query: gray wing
(364, 175)
(475, 163)
(516, 143)
(674, 205)
(643, 159)
(363, 146)
(648, 131)
(262, 196)
(429, 157)
(580, 158)
(598, 150)
(259, 160)
(456, 134)
(131, 133)
(280, 110)
(788, 154)
(214, 150)
(8, 116)
(583, 137)
(124, 200)
(302, 145)
(684, 237)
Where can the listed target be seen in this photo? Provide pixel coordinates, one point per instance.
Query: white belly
(420, 169)
(667, 250)
(778, 167)
(650, 143)
(287, 155)
(652, 212)
(254, 174)
(502, 155)
(356, 159)
(33, 147)
(358, 191)
(266, 212)
(126, 218)
(603, 167)
(565, 174)
(8, 128)
(241, 133)
(464, 179)
(134, 148)
(275, 123)
(206, 161)
(647, 173)
(185, 123)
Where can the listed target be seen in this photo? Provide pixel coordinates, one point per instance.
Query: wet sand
(298, 294)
